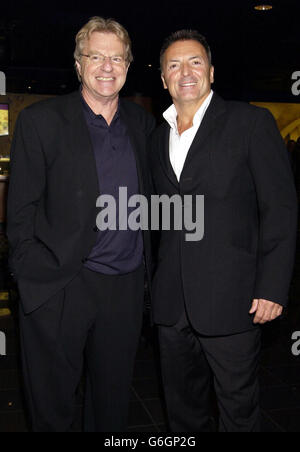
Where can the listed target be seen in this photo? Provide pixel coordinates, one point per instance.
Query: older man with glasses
(81, 289)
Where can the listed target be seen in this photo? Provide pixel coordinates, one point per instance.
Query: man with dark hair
(81, 289)
(211, 296)
(185, 35)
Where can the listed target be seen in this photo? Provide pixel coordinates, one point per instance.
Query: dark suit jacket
(53, 191)
(239, 162)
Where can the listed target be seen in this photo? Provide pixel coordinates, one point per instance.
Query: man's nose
(107, 65)
(185, 68)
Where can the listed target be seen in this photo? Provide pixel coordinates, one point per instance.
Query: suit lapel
(83, 153)
(164, 154)
(215, 109)
(137, 141)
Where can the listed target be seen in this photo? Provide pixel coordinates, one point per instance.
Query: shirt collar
(91, 115)
(170, 114)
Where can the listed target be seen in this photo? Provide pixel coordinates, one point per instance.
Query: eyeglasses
(100, 59)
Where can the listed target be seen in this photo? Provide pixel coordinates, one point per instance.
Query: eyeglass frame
(102, 58)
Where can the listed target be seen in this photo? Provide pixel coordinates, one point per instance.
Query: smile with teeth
(188, 84)
(105, 79)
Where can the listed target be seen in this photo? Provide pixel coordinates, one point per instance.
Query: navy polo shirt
(115, 252)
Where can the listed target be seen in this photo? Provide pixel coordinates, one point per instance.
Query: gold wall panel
(287, 117)
(16, 103)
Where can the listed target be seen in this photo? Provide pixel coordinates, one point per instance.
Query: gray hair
(98, 24)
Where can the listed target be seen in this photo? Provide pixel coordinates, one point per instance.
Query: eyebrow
(191, 58)
(95, 52)
(197, 56)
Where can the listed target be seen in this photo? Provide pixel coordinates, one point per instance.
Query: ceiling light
(263, 7)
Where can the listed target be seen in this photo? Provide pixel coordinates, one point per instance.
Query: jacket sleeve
(26, 187)
(151, 126)
(277, 203)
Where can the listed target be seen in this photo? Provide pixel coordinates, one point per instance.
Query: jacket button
(83, 260)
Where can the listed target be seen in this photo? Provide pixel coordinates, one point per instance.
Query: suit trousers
(93, 323)
(192, 363)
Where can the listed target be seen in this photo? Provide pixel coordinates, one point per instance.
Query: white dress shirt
(179, 145)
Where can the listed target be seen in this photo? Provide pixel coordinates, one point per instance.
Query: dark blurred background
(254, 52)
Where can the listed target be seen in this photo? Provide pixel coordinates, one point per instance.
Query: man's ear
(78, 68)
(164, 82)
(212, 74)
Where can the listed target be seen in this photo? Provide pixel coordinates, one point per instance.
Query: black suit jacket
(239, 162)
(53, 191)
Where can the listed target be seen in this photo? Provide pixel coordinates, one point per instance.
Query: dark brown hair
(185, 35)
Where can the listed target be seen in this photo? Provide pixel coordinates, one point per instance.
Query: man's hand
(265, 310)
